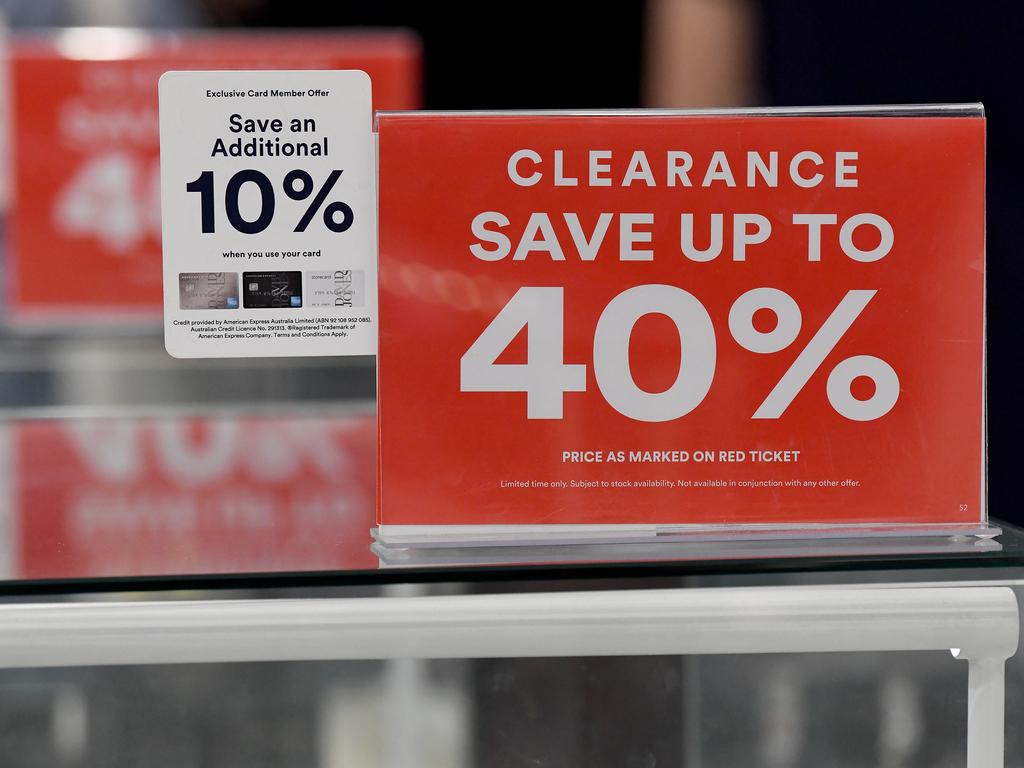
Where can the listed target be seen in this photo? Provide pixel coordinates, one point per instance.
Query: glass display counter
(710, 653)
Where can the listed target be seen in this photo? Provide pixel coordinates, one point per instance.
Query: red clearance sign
(86, 221)
(670, 320)
(129, 497)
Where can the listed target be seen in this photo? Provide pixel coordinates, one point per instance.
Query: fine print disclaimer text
(274, 328)
(758, 457)
(681, 484)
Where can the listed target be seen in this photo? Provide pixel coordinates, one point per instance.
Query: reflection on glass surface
(294, 491)
(94, 497)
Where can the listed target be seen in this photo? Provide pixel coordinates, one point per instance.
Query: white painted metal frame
(979, 624)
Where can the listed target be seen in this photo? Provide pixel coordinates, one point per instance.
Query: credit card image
(271, 290)
(208, 290)
(340, 288)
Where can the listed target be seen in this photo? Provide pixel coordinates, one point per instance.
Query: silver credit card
(341, 288)
(208, 290)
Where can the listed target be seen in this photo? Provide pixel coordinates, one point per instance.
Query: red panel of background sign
(130, 497)
(86, 225)
(445, 453)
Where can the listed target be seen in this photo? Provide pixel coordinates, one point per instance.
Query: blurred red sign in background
(85, 235)
(131, 497)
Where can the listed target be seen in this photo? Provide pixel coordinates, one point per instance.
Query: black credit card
(271, 290)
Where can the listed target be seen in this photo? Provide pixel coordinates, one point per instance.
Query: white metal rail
(980, 625)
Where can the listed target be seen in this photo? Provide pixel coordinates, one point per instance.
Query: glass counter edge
(414, 536)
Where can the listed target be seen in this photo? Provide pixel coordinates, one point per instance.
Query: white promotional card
(268, 211)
